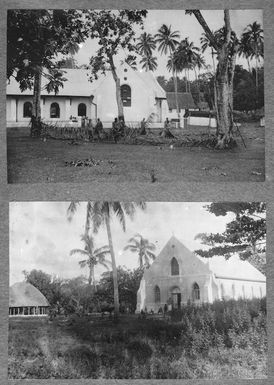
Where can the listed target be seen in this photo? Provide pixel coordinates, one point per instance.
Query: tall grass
(225, 339)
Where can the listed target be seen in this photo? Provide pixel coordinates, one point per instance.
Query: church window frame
(196, 295)
(174, 265)
(54, 110)
(27, 109)
(82, 109)
(126, 95)
(157, 294)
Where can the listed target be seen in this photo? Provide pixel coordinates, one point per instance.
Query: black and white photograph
(135, 96)
(137, 290)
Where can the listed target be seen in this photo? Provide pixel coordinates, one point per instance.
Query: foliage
(245, 234)
(213, 341)
(93, 256)
(36, 37)
(143, 247)
(128, 285)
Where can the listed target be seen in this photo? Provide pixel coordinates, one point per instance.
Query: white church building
(141, 94)
(178, 276)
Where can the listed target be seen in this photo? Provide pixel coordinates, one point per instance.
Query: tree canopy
(244, 235)
(35, 38)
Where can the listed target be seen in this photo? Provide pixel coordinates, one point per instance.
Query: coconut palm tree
(93, 256)
(252, 43)
(146, 44)
(100, 214)
(167, 42)
(149, 63)
(143, 247)
(205, 44)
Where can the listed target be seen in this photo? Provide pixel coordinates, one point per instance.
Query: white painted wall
(143, 101)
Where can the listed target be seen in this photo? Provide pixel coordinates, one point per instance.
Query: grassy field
(141, 348)
(31, 160)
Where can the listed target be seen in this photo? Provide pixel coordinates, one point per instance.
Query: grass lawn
(133, 348)
(31, 160)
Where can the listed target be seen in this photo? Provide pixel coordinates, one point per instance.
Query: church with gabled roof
(178, 276)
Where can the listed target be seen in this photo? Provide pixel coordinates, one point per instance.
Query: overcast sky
(188, 26)
(41, 237)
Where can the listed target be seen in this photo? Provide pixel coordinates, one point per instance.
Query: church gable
(175, 259)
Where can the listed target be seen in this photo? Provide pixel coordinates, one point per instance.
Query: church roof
(234, 268)
(25, 294)
(185, 100)
(77, 84)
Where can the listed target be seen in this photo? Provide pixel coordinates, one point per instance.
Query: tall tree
(167, 42)
(34, 40)
(245, 234)
(252, 45)
(226, 50)
(115, 33)
(149, 63)
(145, 47)
(93, 256)
(185, 57)
(143, 248)
(100, 214)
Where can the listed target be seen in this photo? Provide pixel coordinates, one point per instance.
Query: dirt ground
(31, 160)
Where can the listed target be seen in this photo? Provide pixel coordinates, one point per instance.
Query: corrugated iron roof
(185, 100)
(77, 84)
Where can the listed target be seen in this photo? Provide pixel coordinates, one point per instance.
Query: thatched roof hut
(25, 299)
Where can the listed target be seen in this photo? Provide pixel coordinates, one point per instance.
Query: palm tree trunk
(176, 89)
(90, 275)
(114, 269)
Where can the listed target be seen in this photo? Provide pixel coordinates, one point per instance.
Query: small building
(26, 300)
(142, 96)
(178, 276)
(185, 101)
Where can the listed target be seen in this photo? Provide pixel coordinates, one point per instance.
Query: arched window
(27, 110)
(174, 267)
(157, 294)
(195, 292)
(82, 109)
(126, 95)
(54, 110)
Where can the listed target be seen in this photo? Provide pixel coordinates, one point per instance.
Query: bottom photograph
(137, 290)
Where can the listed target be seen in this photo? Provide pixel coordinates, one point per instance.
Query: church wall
(189, 270)
(143, 101)
(229, 288)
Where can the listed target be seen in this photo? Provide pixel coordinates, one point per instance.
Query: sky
(41, 236)
(188, 26)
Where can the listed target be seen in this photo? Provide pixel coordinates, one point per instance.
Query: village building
(142, 97)
(178, 276)
(27, 300)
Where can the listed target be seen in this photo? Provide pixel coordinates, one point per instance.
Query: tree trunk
(175, 88)
(36, 110)
(114, 269)
(222, 78)
(90, 275)
(118, 90)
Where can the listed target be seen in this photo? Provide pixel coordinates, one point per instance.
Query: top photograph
(135, 96)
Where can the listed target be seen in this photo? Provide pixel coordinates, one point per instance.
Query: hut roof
(25, 294)
(185, 100)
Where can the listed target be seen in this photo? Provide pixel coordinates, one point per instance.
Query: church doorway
(176, 298)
